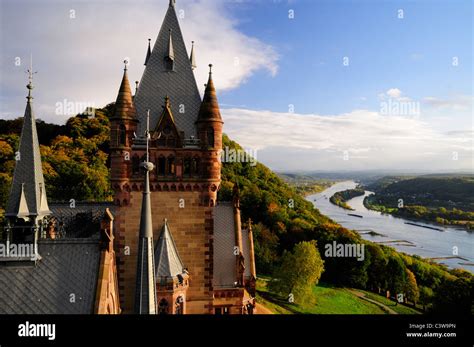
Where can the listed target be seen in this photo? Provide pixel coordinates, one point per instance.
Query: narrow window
(210, 137)
(123, 135)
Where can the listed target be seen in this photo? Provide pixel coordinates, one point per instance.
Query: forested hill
(432, 191)
(75, 159)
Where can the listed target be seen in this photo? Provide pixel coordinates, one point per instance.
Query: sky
(307, 85)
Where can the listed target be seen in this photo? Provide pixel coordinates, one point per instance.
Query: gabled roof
(166, 117)
(168, 261)
(179, 84)
(28, 192)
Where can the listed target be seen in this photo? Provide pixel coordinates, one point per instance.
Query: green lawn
(327, 300)
(401, 309)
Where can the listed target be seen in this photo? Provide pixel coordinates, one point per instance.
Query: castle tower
(27, 204)
(209, 126)
(123, 124)
(182, 187)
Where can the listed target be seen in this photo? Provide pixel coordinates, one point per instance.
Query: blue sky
(413, 53)
(290, 97)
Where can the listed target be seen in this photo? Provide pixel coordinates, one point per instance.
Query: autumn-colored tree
(411, 288)
(299, 271)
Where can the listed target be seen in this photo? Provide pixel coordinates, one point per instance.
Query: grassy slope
(328, 300)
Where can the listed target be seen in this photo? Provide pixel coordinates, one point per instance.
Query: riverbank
(340, 198)
(379, 227)
(419, 214)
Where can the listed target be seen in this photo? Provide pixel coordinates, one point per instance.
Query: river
(393, 231)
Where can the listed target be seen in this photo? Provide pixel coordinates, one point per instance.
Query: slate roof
(224, 243)
(246, 252)
(158, 82)
(66, 267)
(168, 261)
(28, 192)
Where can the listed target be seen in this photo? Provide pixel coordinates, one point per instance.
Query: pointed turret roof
(148, 53)
(209, 107)
(145, 292)
(168, 261)
(170, 53)
(179, 84)
(28, 194)
(124, 107)
(192, 57)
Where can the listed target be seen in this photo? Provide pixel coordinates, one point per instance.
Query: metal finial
(126, 62)
(30, 77)
(167, 100)
(210, 68)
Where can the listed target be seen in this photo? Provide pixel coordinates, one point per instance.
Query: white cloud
(80, 59)
(457, 103)
(288, 141)
(394, 92)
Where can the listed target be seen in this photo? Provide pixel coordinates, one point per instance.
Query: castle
(165, 244)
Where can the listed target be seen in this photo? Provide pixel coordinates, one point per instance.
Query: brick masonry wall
(191, 228)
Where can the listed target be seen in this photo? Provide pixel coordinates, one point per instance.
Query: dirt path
(379, 304)
(262, 309)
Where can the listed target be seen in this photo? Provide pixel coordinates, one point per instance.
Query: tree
(397, 278)
(411, 288)
(454, 296)
(266, 244)
(426, 296)
(299, 271)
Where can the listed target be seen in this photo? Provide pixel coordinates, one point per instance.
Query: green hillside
(75, 159)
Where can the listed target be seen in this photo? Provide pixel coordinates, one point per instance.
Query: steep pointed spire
(192, 57)
(148, 53)
(172, 3)
(145, 291)
(168, 261)
(177, 80)
(170, 52)
(209, 107)
(124, 107)
(27, 197)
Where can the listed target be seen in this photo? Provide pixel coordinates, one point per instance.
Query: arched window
(161, 167)
(210, 137)
(171, 166)
(163, 307)
(195, 166)
(122, 135)
(187, 166)
(135, 164)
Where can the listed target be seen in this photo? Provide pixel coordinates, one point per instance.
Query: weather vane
(30, 71)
